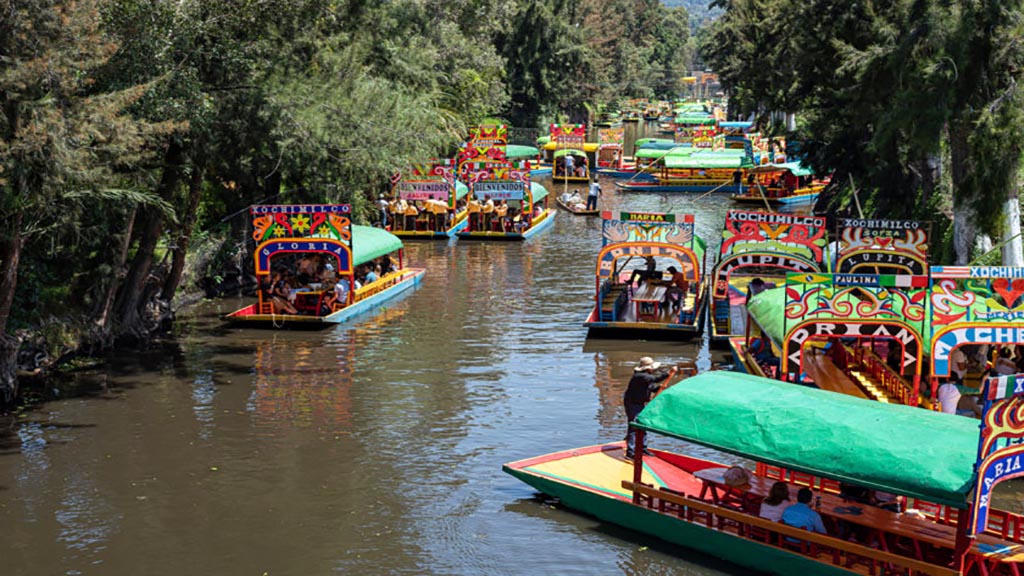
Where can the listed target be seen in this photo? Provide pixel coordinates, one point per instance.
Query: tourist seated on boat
(281, 294)
(650, 270)
(764, 356)
(678, 287)
(755, 287)
(581, 172)
(948, 394)
(387, 265)
(337, 297)
(1004, 362)
(370, 275)
(800, 514)
(776, 503)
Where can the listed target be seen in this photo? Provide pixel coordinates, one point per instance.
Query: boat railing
(863, 361)
(379, 285)
(1001, 523)
(822, 548)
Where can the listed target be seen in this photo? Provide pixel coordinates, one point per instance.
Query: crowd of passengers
(500, 216)
(437, 216)
(801, 511)
(677, 284)
(966, 362)
(312, 274)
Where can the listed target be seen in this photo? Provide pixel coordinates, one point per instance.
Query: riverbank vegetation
(911, 103)
(134, 132)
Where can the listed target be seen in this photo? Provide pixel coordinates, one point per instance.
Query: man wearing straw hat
(644, 385)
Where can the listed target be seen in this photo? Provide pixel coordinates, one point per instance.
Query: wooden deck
(827, 376)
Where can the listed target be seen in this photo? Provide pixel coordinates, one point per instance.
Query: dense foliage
(909, 100)
(134, 132)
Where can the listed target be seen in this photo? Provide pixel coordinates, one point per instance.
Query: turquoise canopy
(460, 190)
(890, 447)
(537, 191)
(704, 161)
(517, 152)
(369, 242)
(656, 153)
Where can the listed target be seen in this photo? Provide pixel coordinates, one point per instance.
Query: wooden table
(884, 528)
(649, 295)
(304, 301)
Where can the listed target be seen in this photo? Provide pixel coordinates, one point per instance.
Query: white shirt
(569, 161)
(773, 513)
(595, 189)
(949, 396)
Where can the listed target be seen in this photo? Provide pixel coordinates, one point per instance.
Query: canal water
(372, 448)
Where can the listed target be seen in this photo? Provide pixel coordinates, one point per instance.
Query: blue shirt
(371, 276)
(800, 515)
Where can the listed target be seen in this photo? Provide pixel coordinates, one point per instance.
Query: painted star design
(300, 223)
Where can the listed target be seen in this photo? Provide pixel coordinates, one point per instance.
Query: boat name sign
(301, 209)
(775, 218)
(499, 190)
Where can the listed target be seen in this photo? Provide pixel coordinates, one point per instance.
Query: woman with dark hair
(776, 503)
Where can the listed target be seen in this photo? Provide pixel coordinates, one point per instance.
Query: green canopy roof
(369, 242)
(641, 141)
(703, 161)
(696, 120)
(517, 151)
(563, 151)
(656, 153)
(537, 191)
(543, 140)
(796, 168)
(460, 190)
(889, 447)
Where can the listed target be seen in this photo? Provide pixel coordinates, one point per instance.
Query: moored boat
(938, 516)
(790, 183)
(430, 204)
(571, 165)
(317, 245)
(758, 249)
(505, 204)
(642, 303)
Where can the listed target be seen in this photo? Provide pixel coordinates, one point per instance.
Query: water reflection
(371, 448)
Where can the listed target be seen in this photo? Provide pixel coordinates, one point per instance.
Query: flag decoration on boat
(1005, 386)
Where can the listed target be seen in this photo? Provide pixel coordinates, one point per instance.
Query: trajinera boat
(308, 259)
(759, 248)
(429, 204)
(577, 171)
(790, 183)
(641, 301)
(505, 204)
(938, 518)
(860, 331)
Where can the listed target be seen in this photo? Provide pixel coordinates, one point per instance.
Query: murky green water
(373, 448)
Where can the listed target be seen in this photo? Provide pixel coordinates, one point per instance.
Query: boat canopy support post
(964, 542)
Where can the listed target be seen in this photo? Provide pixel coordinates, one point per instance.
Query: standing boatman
(644, 385)
(595, 191)
(383, 206)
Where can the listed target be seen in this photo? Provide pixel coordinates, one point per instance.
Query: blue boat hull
(541, 226)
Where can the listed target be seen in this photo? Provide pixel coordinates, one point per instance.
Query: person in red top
(677, 286)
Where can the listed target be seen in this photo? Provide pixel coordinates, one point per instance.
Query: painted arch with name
(803, 332)
(611, 253)
(337, 249)
(775, 260)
